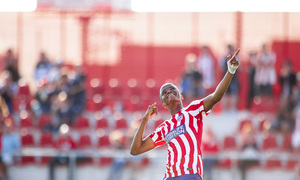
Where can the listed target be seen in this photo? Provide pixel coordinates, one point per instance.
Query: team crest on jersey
(179, 118)
(175, 132)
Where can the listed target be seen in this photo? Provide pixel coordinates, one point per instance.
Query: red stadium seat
(121, 124)
(105, 161)
(272, 164)
(27, 140)
(95, 103)
(44, 120)
(82, 123)
(95, 87)
(104, 142)
(133, 103)
(84, 142)
(229, 143)
(291, 164)
(145, 162)
(26, 122)
(46, 140)
(102, 123)
(23, 88)
(115, 89)
(269, 143)
(287, 143)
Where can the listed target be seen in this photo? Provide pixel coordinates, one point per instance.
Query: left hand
(233, 62)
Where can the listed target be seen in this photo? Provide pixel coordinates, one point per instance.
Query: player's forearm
(222, 87)
(138, 139)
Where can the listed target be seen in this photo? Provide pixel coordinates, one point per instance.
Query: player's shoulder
(194, 105)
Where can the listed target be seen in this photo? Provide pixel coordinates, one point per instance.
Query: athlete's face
(169, 93)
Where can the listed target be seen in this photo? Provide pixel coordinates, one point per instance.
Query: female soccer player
(183, 131)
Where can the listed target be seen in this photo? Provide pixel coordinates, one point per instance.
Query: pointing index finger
(236, 52)
(154, 104)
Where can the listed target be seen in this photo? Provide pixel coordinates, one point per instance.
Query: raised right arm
(140, 145)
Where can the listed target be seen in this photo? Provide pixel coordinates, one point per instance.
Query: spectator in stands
(191, 80)
(56, 72)
(11, 145)
(206, 67)
(296, 90)
(296, 131)
(11, 65)
(42, 68)
(8, 89)
(250, 152)
(77, 90)
(62, 104)
(44, 96)
(265, 75)
(118, 140)
(284, 116)
(210, 150)
(65, 144)
(230, 98)
(287, 79)
(251, 75)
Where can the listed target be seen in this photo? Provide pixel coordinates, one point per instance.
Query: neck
(175, 109)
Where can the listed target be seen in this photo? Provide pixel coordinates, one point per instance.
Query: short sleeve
(196, 109)
(157, 136)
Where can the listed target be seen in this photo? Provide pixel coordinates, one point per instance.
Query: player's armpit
(209, 102)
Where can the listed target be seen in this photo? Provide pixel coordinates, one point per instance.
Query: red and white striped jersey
(183, 134)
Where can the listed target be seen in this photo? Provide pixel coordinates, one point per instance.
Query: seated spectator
(284, 116)
(44, 96)
(11, 65)
(56, 72)
(62, 104)
(11, 145)
(251, 75)
(42, 68)
(118, 165)
(287, 79)
(77, 90)
(296, 131)
(8, 89)
(65, 144)
(250, 152)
